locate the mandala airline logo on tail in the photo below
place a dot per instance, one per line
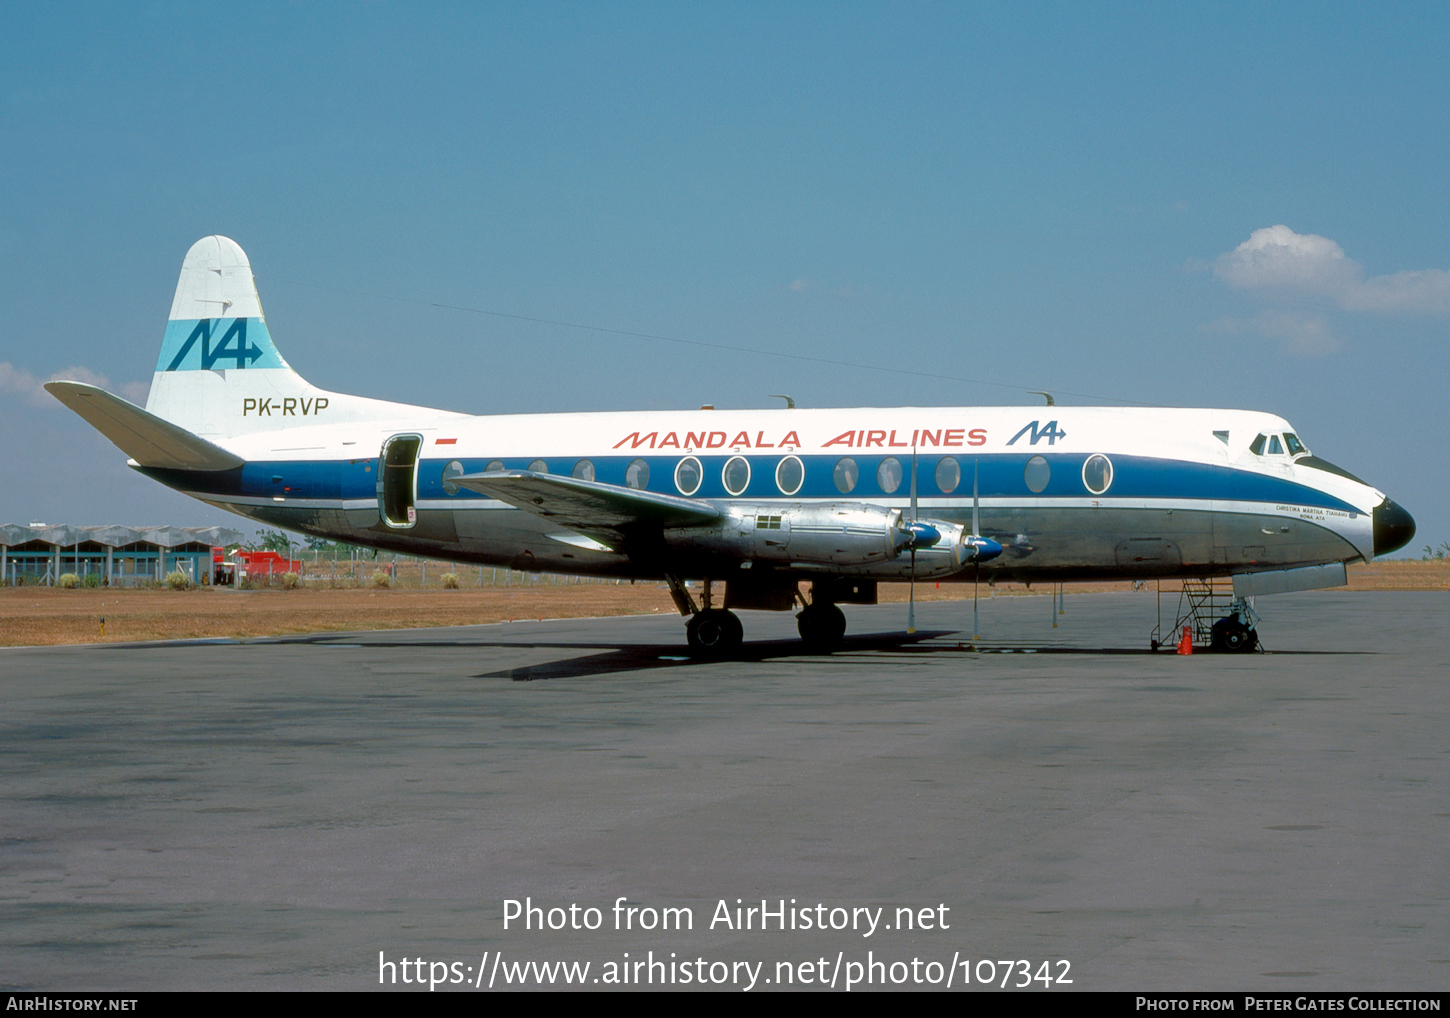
(209, 344)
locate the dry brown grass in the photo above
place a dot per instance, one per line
(31, 616)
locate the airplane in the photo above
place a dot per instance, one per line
(760, 500)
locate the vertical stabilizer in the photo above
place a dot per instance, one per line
(220, 375)
(216, 317)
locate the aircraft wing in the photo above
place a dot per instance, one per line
(146, 438)
(603, 511)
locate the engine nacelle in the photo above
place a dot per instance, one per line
(833, 535)
(849, 538)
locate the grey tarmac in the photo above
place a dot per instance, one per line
(274, 813)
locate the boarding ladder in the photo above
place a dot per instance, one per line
(1201, 603)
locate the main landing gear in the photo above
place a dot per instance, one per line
(717, 633)
(822, 626)
(711, 632)
(714, 632)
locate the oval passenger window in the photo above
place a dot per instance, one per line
(736, 475)
(1097, 474)
(948, 475)
(1036, 474)
(452, 470)
(888, 475)
(688, 475)
(790, 474)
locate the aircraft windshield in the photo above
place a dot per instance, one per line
(1292, 441)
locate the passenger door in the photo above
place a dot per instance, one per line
(398, 481)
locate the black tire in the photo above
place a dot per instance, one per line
(822, 627)
(714, 633)
(1231, 636)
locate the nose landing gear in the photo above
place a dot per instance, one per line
(1232, 635)
(1219, 619)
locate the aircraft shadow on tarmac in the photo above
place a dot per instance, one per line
(872, 650)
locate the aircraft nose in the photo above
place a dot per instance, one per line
(1393, 528)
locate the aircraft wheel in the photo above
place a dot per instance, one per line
(822, 626)
(1232, 636)
(714, 633)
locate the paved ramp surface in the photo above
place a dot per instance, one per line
(274, 814)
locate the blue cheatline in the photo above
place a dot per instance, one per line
(1000, 477)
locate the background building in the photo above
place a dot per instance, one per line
(39, 553)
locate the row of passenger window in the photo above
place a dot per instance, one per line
(790, 474)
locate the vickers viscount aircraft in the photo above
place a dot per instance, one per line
(759, 499)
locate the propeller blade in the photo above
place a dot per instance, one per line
(976, 627)
(911, 600)
(914, 516)
(977, 556)
(976, 515)
(916, 537)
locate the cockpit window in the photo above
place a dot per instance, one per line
(1292, 441)
(1257, 445)
(1275, 449)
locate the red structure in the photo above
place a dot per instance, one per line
(257, 563)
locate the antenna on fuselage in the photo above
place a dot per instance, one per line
(1045, 395)
(789, 403)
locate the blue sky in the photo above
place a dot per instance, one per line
(1076, 198)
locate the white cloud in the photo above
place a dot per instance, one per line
(1426, 291)
(19, 382)
(1277, 259)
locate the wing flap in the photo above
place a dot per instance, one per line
(605, 511)
(146, 438)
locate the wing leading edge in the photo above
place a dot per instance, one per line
(606, 512)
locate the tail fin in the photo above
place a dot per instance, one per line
(219, 374)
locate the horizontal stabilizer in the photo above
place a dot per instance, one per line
(606, 511)
(146, 438)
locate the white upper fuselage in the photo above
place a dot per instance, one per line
(1152, 452)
